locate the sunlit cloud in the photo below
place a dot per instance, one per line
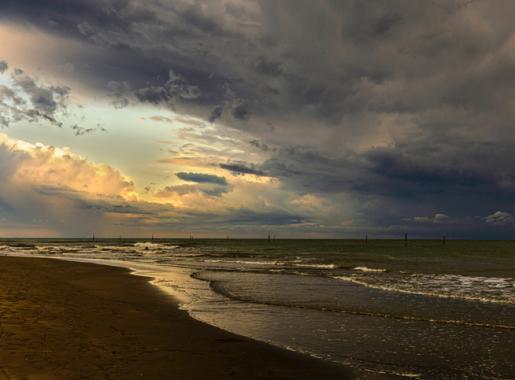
(39, 165)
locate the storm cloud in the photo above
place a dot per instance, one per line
(241, 168)
(400, 110)
(202, 178)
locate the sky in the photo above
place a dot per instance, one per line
(243, 118)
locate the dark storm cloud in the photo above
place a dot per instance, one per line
(159, 37)
(215, 114)
(241, 168)
(176, 88)
(393, 102)
(153, 94)
(394, 188)
(334, 57)
(404, 171)
(241, 111)
(385, 24)
(266, 67)
(208, 184)
(202, 178)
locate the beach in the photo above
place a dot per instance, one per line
(68, 320)
(181, 307)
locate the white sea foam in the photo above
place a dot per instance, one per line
(367, 269)
(409, 375)
(145, 247)
(317, 266)
(272, 263)
(244, 262)
(472, 288)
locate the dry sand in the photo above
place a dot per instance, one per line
(66, 320)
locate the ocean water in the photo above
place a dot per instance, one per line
(428, 310)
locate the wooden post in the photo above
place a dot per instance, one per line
(444, 239)
(405, 239)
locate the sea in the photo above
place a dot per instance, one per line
(425, 309)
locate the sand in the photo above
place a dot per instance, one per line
(67, 320)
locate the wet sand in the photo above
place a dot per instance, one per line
(67, 320)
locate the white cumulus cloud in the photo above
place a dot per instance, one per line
(499, 218)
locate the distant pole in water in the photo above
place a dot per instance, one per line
(93, 237)
(444, 239)
(269, 238)
(366, 238)
(405, 239)
(152, 238)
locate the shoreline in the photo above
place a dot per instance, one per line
(69, 319)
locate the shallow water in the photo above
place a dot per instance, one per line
(427, 310)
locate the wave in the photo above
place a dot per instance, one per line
(218, 288)
(294, 263)
(244, 262)
(148, 246)
(367, 269)
(442, 287)
(317, 266)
